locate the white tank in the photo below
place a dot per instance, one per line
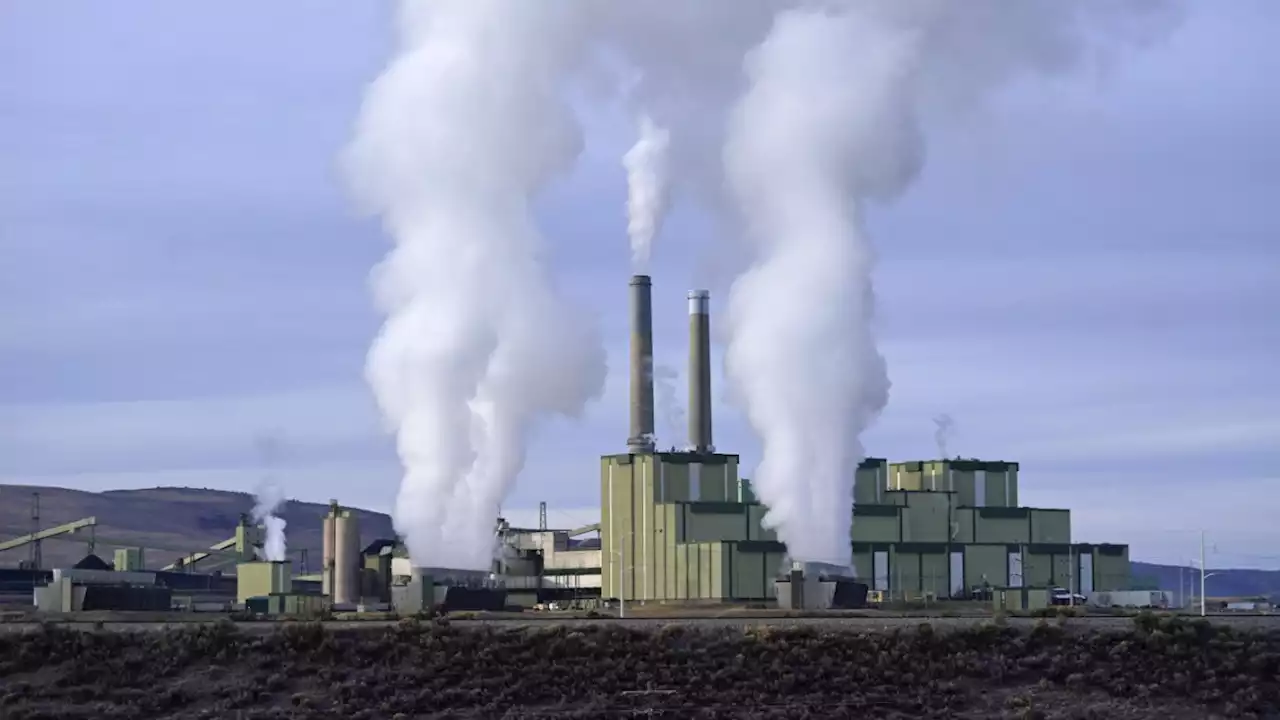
(346, 566)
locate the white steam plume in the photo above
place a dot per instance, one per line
(944, 428)
(268, 500)
(648, 194)
(829, 122)
(667, 398)
(453, 144)
(467, 125)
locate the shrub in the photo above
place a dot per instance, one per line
(425, 668)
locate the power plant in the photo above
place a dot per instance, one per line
(676, 527)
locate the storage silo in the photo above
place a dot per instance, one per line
(346, 573)
(327, 560)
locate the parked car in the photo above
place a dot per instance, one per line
(1062, 596)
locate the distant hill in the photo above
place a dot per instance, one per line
(1222, 583)
(168, 522)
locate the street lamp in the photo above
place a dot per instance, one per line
(1203, 576)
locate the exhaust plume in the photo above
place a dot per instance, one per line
(831, 121)
(453, 144)
(669, 407)
(647, 191)
(944, 428)
(268, 500)
(467, 125)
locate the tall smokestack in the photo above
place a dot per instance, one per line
(641, 440)
(700, 371)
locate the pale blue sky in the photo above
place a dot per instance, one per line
(1087, 277)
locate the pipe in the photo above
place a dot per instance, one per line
(642, 439)
(700, 372)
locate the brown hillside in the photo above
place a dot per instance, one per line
(169, 522)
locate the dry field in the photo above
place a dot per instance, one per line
(1146, 667)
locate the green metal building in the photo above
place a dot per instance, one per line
(683, 527)
(942, 528)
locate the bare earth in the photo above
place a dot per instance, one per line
(702, 668)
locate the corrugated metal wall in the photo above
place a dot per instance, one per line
(683, 535)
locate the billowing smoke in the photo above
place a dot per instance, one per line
(268, 501)
(667, 399)
(453, 144)
(830, 121)
(469, 122)
(944, 428)
(647, 190)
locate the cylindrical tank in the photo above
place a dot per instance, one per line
(641, 440)
(700, 371)
(346, 571)
(327, 561)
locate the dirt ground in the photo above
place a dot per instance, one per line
(708, 668)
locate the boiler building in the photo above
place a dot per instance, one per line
(684, 527)
(942, 528)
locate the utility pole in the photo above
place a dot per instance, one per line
(1071, 576)
(37, 559)
(1203, 576)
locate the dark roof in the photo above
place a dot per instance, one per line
(92, 562)
(376, 546)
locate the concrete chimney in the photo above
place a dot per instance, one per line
(641, 440)
(700, 371)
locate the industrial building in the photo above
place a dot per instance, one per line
(677, 526)
(684, 527)
(125, 584)
(944, 528)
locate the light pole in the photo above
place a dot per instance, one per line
(1204, 575)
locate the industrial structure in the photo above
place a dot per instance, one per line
(341, 572)
(679, 526)
(125, 584)
(684, 527)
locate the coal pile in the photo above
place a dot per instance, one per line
(1157, 669)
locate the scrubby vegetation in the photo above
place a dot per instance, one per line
(1164, 668)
